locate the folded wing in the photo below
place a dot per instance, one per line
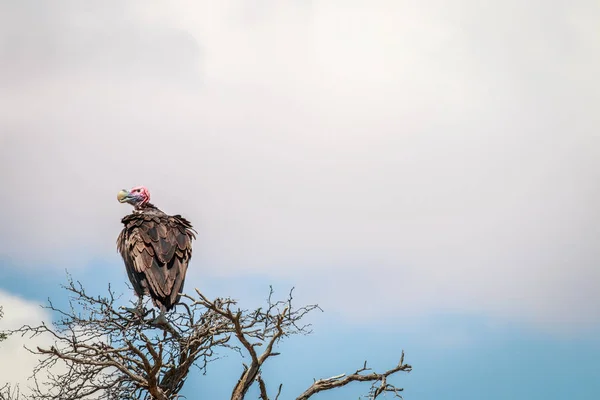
(156, 250)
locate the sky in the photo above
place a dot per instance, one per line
(427, 172)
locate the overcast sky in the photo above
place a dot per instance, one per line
(422, 157)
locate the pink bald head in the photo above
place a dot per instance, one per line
(137, 196)
(143, 193)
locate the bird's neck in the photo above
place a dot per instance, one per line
(144, 207)
(149, 209)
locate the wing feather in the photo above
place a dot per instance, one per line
(156, 250)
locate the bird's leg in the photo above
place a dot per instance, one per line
(162, 323)
(138, 306)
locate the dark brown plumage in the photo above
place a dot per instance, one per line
(156, 249)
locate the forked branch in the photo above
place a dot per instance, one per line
(380, 384)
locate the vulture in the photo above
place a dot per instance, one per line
(156, 249)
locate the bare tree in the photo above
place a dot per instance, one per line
(7, 391)
(109, 352)
(2, 334)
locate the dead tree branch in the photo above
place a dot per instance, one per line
(2, 334)
(261, 328)
(8, 392)
(107, 352)
(379, 386)
(111, 353)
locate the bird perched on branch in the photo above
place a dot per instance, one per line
(156, 249)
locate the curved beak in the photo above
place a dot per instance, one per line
(123, 196)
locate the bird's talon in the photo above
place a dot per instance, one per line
(160, 320)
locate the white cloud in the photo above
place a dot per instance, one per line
(19, 312)
(422, 157)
